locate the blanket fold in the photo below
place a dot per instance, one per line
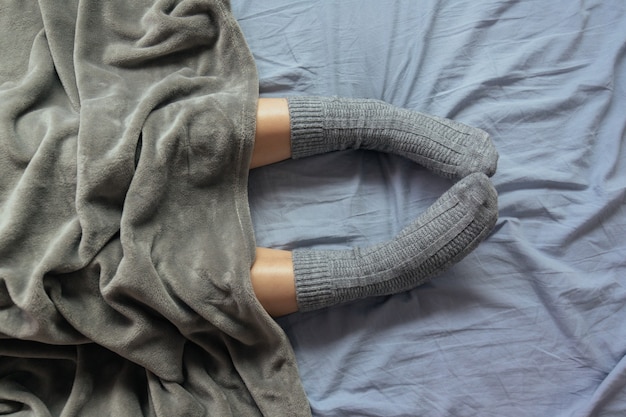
(126, 131)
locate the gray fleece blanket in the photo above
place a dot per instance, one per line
(126, 129)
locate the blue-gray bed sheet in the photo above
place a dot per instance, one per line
(533, 323)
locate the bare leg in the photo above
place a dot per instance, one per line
(272, 142)
(272, 272)
(273, 281)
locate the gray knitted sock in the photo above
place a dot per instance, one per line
(452, 227)
(446, 147)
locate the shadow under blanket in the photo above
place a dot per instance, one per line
(126, 130)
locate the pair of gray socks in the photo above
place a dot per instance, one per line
(451, 228)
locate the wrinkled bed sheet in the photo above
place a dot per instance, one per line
(533, 323)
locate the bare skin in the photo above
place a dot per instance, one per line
(272, 141)
(273, 281)
(272, 273)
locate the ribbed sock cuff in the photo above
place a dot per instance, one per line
(312, 278)
(307, 126)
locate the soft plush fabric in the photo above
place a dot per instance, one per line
(126, 243)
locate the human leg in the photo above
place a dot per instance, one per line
(272, 272)
(286, 282)
(272, 141)
(273, 281)
(448, 148)
(302, 126)
(449, 230)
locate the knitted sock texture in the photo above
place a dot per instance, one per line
(445, 233)
(448, 148)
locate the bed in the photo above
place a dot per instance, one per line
(128, 308)
(532, 323)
